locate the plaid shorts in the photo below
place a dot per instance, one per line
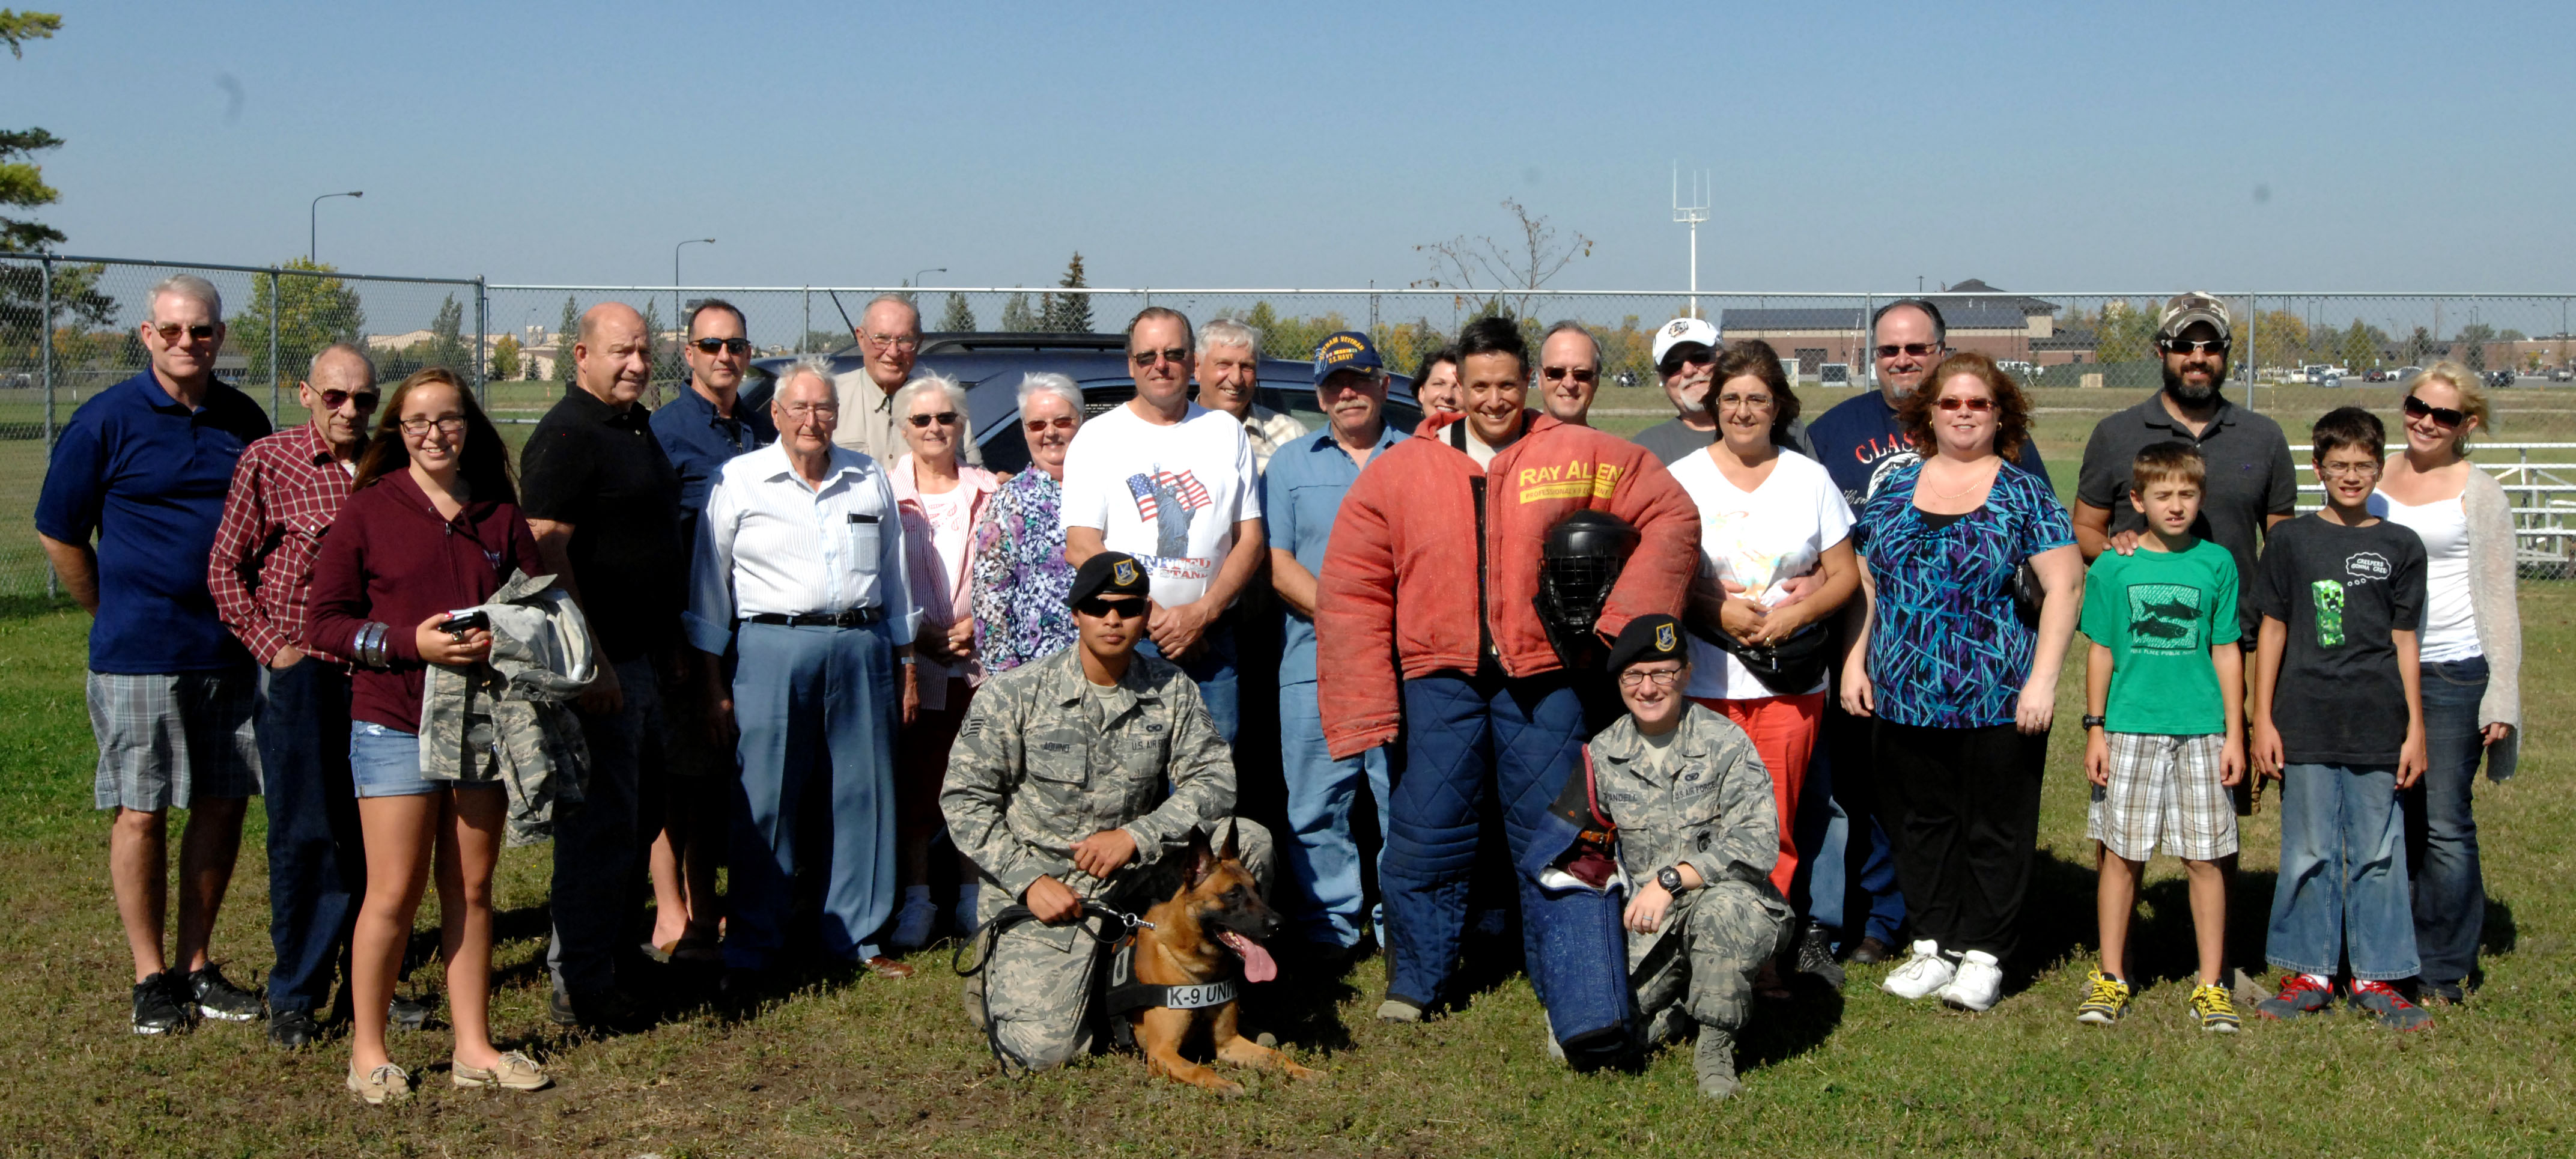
(167, 739)
(2164, 788)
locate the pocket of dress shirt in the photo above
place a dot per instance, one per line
(864, 530)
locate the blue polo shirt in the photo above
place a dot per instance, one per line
(147, 476)
(699, 442)
(1301, 495)
(1860, 434)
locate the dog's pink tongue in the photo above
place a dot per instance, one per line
(1257, 966)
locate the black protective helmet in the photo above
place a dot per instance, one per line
(1579, 563)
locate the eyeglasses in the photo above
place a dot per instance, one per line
(805, 410)
(897, 341)
(723, 345)
(1040, 426)
(2440, 414)
(170, 332)
(1917, 349)
(1673, 365)
(1555, 373)
(2348, 470)
(1103, 607)
(1639, 677)
(1744, 402)
(1176, 355)
(335, 399)
(451, 425)
(2191, 345)
(1954, 402)
(946, 418)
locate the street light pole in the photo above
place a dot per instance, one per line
(313, 222)
(675, 281)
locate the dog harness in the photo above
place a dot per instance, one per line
(1126, 993)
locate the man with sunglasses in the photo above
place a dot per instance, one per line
(1076, 778)
(287, 491)
(700, 430)
(1569, 372)
(143, 467)
(1173, 484)
(889, 337)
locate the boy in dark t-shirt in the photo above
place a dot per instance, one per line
(2339, 719)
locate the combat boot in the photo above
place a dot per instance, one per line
(1715, 1062)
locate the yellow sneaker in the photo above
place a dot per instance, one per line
(2216, 1011)
(2106, 999)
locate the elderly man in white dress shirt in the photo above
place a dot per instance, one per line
(798, 577)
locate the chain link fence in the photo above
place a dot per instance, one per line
(68, 327)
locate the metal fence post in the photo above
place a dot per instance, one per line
(809, 320)
(482, 392)
(45, 367)
(276, 308)
(2253, 351)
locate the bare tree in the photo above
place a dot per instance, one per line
(1516, 266)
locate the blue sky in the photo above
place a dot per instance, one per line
(2058, 147)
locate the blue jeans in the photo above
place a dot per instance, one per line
(1213, 671)
(1467, 738)
(2441, 831)
(2342, 892)
(600, 848)
(1324, 859)
(317, 868)
(813, 702)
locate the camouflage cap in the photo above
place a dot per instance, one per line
(2186, 308)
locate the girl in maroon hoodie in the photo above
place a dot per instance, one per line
(433, 525)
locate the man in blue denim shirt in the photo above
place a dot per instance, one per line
(1301, 495)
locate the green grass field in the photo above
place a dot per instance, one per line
(866, 1066)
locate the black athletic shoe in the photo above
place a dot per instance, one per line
(407, 1013)
(293, 1029)
(216, 997)
(1816, 955)
(158, 1008)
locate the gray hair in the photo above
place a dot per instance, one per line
(814, 364)
(1228, 332)
(342, 350)
(955, 396)
(1570, 326)
(1049, 382)
(189, 286)
(897, 299)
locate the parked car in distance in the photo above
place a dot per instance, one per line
(989, 366)
(2375, 376)
(2563, 374)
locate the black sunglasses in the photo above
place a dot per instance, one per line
(2191, 345)
(946, 418)
(1148, 357)
(170, 331)
(2440, 414)
(335, 399)
(1673, 365)
(1917, 349)
(727, 345)
(1126, 607)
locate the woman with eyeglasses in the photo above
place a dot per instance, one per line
(1959, 673)
(433, 525)
(2471, 654)
(1020, 573)
(940, 500)
(1767, 516)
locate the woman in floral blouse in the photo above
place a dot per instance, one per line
(1021, 578)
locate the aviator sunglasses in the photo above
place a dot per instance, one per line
(724, 345)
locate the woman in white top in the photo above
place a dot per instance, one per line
(1776, 563)
(2471, 652)
(939, 500)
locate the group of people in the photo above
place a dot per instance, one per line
(1738, 700)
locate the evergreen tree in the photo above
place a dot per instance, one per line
(447, 340)
(22, 181)
(564, 332)
(1017, 318)
(959, 317)
(1068, 313)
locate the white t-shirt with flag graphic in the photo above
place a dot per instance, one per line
(1168, 495)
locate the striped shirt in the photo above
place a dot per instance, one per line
(286, 492)
(771, 543)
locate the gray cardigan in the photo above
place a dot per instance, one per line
(2492, 601)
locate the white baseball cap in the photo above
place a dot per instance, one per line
(1681, 330)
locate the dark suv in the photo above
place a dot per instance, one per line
(989, 366)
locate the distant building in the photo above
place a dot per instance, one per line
(1979, 317)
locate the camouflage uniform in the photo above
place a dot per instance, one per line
(1704, 801)
(1044, 759)
(511, 718)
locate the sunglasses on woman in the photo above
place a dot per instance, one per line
(946, 418)
(2444, 415)
(1954, 402)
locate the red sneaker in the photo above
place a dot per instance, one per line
(2300, 995)
(2394, 1011)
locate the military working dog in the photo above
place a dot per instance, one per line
(1216, 913)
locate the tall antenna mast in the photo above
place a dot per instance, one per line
(1692, 215)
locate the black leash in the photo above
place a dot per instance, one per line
(990, 935)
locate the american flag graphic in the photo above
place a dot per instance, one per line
(1186, 485)
(1142, 487)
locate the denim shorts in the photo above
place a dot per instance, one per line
(385, 762)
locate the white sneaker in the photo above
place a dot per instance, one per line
(1921, 974)
(1977, 983)
(912, 924)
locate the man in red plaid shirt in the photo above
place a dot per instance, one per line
(286, 492)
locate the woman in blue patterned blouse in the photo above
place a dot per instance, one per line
(1962, 684)
(1021, 578)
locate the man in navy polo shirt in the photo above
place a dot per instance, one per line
(143, 467)
(1301, 495)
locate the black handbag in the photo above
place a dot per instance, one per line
(1791, 667)
(2028, 594)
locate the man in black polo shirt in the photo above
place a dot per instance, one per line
(604, 502)
(2252, 483)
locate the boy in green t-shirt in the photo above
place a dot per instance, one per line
(2165, 725)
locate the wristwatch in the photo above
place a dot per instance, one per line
(2092, 722)
(1669, 878)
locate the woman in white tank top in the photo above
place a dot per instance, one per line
(2471, 650)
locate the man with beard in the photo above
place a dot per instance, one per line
(2252, 483)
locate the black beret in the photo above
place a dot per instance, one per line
(1649, 637)
(1113, 573)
